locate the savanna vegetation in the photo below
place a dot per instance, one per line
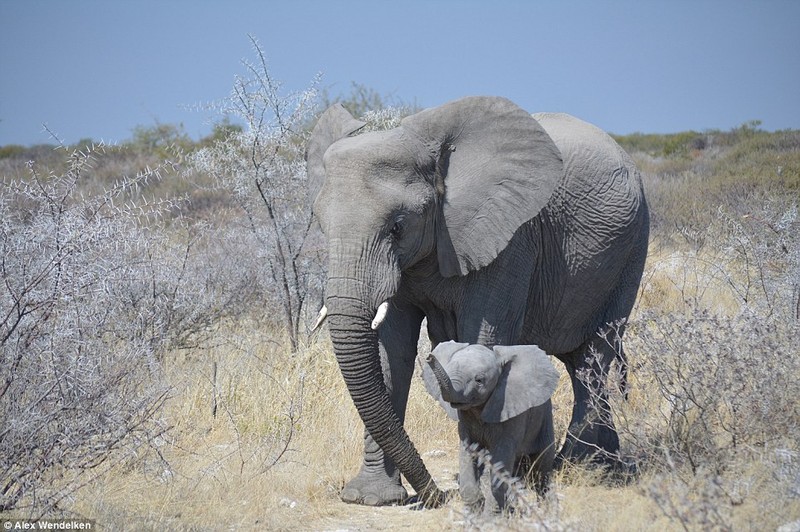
(157, 368)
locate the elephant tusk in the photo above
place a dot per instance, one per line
(323, 313)
(380, 315)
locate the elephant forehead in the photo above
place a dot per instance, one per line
(390, 156)
(476, 356)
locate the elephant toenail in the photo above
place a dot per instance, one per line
(371, 500)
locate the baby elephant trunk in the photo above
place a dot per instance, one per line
(441, 376)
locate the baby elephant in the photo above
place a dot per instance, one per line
(501, 399)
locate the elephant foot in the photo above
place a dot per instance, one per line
(472, 498)
(374, 490)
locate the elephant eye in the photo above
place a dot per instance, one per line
(479, 379)
(397, 229)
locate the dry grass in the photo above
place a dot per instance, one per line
(283, 442)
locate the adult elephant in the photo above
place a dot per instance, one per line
(498, 226)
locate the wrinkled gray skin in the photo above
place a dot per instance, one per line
(501, 399)
(501, 228)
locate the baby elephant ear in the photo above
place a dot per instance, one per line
(443, 353)
(528, 380)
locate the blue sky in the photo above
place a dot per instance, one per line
(90, 68)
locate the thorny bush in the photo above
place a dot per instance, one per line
(262, 167)
(93, 293)
(714, 387)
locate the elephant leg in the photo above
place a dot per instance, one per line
(502, 460)
(469, 479)
(378, 481)
(470, 470)
(537, 466)
(591, 433)
(534, 470)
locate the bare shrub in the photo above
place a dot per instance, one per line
(384, 118)
(98, 283)
(262, 167)
(726, 385)
(79, 375)
(694, 505)
(714, 386)
(762, 247)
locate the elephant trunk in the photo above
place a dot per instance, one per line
(445, 384)
(355, 343)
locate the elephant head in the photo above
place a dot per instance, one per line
(451, 184)
(502, 382)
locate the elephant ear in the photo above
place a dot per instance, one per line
(497, 168)
(334, 124)
(443, 353)
(528, 380)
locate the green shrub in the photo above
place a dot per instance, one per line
(11, 150)
(161, 140)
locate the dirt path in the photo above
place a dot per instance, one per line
(341, 517)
